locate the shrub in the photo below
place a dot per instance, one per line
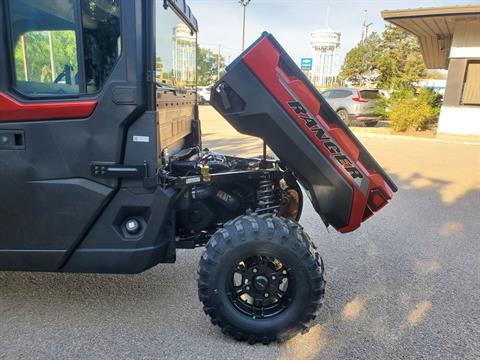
(413, 111)
(410, 114)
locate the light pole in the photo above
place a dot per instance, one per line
(244, 3)
(365, 27)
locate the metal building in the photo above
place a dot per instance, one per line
(325, 43)
(450, 39)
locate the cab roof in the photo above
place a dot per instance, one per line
(181, 7)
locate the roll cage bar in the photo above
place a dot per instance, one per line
(184, 11)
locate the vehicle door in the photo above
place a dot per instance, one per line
(68, 89)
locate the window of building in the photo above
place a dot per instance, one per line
(45, 45)
(471, 87)
(176, 50)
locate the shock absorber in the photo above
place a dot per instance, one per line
(266, 199)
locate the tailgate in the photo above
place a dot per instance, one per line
(265, 94)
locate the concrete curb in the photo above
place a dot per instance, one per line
(404, 137)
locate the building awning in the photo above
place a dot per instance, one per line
(434, 28)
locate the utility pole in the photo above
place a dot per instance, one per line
(52, 58)
(24, 53)
(218, 61)
(365, 27)
(244, 3)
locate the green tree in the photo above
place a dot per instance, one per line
(359, 65)
(392, 60)
(207, 65)
(399, 61)
(38, 59)
(64, 49)
(159, 69)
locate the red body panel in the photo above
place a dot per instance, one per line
(13, 110)
(264, 60)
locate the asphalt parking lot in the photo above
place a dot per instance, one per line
(404, 286)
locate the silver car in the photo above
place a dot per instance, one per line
(204, 94)
(354, 105)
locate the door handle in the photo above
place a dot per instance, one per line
(12, 140)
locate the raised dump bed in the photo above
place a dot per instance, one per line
(265, 94)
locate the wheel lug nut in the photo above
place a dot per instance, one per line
(266, 295)
(255, 270)
(274, 277)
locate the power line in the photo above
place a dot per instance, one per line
(202, 43)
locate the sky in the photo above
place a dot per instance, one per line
(291, 21)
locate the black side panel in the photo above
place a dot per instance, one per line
(109, 249)
(248, 106)
(47, 229)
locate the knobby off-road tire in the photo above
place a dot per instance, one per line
(261, 238)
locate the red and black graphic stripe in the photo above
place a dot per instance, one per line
(12, 110)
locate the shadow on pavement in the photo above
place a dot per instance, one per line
(406, 283)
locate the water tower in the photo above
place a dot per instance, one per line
(183, 54)
(325, 43)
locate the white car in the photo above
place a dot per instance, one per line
(204, 94)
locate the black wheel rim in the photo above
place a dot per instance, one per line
(261, 287)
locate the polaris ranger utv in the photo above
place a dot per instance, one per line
(102, 167)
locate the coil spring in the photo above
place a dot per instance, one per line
(266, 200)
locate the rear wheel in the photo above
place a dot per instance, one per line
(292, 203)
(343, 114)
(261, 279)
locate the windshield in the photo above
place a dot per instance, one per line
(176, 49)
